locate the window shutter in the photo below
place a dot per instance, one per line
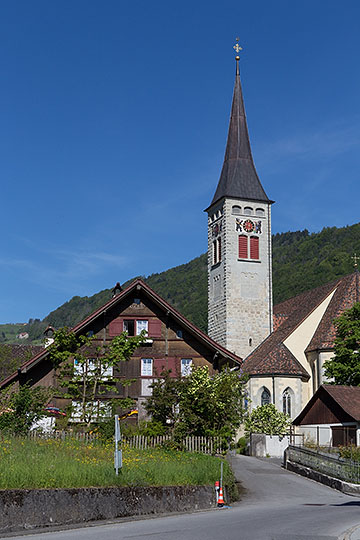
(174, 365)
(115, 327)
(154, 328)
(165, 364)
(254, 247)
(243, 247)
(160, 365)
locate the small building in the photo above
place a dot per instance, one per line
(332, 416)
(173, 343)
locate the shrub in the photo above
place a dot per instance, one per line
(267, 419)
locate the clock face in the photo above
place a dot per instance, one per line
(248, 225)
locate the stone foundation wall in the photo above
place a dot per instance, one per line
(22, 509)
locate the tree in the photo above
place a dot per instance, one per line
(21, 407)
(267, 419)
(162, 404)
(344, 367)
(85, 369)
(199, 404)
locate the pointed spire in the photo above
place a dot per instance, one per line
(238, 177)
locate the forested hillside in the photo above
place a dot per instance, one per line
(301, 261)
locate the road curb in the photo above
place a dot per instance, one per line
(349, 534)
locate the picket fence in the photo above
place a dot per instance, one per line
(204, 445)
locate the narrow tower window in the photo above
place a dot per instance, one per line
(254, 247)
(214, 252)
(219, 250)
(243, 247)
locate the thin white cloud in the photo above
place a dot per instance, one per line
(62, 268)
(328, 142)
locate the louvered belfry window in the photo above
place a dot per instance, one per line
(243, 247)
(254, 247)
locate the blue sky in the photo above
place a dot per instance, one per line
(113, 126)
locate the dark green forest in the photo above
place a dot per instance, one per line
(301, 261)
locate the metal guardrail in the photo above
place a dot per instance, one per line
(323, 462)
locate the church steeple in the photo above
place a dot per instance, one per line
(238, 177)
(239, 244)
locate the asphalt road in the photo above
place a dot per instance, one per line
(277, 505)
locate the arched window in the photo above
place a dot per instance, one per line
(260, 212)
(236, 210)
(265, 397)
(248, 211)
(286, 398)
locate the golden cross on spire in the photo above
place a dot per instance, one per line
(237, 47)
(355, 258)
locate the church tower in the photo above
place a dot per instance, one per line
(239, 244)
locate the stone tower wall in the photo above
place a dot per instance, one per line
(240, 291)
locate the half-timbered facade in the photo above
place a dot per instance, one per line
(172, 343)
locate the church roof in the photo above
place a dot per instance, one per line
(238, 177)
(278, 360)
(345, 296)
(272, 356)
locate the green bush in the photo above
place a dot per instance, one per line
(267, 419)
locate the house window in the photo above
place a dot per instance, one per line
(129, 327)
(236, 210)
(265, 397)
(137, 301)
(90, 367)
(146, 389)
(146, 367)
(92, 410)
(243, 247)
(248, 211)
(179, 334)
(186, 364)
(286, 402)
(142, 325)
(260, 212)
(254, 247)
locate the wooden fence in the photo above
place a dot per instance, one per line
(204, 445)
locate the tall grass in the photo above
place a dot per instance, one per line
(54, 463)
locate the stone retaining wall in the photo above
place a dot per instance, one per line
(22, 509)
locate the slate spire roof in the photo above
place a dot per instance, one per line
(238, 177)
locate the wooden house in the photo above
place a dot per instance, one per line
(332, 416)
(173, 343)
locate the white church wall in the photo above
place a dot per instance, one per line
(323, 357)
(277, 386)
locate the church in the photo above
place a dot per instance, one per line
(283, 348)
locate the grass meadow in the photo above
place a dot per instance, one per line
(52, 463)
